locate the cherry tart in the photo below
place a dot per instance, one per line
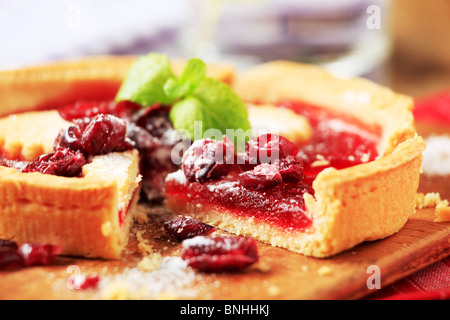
(353, 179)
(337, 162)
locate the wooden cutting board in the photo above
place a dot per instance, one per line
(279, 274)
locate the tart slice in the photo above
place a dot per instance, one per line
(88, 215)
(354, 180)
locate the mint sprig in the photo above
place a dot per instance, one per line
(193, 96)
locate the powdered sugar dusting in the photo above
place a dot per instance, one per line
(198, 241)
(436, 157)
(177, 176)
(172, 279)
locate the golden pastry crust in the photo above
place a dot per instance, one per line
(365, 202)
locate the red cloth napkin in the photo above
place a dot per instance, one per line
(432, 282)
(435, 108)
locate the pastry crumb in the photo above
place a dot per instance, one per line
(320, 163)
(304, 268)
(119, 290)
(324, 271)
(427, 200)
(166, 296)
(442, 213)
(433, 199)
(106, 229)
(145, 248)
(263, 267)
(141, 216)
(273, 290)
(150, 263)
(143, 245)
(116, 291)
(365, 157)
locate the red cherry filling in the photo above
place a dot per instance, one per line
(282, 206)
(182, 227)
(90, 109)
(61, 162)
(215, 254)
(208, 159)
(339, 140)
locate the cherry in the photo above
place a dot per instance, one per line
(154, 137)
(83, 282)
(10, 259)
(61, 162)
(70, 139)
(208, 159)
(215, 254)
(154, 119)
(35, 254)
(291, 169)
(182, 227)
(8, 244)
(142, 139)
(269, 147)
(29, 254)
(105, 133)
(262, 177)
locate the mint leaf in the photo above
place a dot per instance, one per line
(193, 73)
(184, 115)
(194, 98)
(145, 81)
(217, 107)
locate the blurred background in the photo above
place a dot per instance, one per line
(392, 42)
